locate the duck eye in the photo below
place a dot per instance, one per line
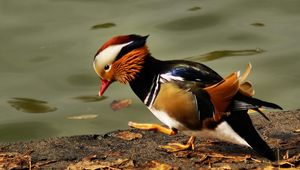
(106, 67)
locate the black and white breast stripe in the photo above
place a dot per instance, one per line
(153, 91)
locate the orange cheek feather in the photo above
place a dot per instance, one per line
(126, 68)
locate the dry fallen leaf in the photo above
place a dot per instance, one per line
(127, 135)
(13, 160)
(97, 164)
(224, 167)
(155, 165)
(182, 154)
(217, 157)
(273, 168)
(297, 131)
(293, 162)
(81, 117)
(120, 104)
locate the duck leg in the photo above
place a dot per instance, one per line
(175, 147)
(154, 127)
(171, 147)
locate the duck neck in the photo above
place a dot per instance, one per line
(142, 83)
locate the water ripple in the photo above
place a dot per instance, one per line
(90, 98)
(224, 53)
(30, 105)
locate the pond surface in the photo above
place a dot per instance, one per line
(48, 86)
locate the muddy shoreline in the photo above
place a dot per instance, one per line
(136, 149)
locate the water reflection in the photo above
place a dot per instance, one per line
(258, 24)
(103, 26)
(224, 53)
(90, 98)
(191, 23)
(30, 105)
(196, 8)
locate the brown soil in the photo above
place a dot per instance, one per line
(136, 149)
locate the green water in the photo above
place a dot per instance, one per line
(47, 48)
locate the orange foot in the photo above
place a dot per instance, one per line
(154, 127)
(175, 147)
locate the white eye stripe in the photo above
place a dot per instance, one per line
(109, 54)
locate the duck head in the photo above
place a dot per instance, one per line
(120, 59)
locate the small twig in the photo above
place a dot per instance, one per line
(286, 155)
(29, 163)
(278, 152)
(203, 158)
(255, 160)
(39, 164)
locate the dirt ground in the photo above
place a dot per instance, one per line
(136, 149)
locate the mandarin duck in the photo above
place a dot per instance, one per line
(184, 95)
